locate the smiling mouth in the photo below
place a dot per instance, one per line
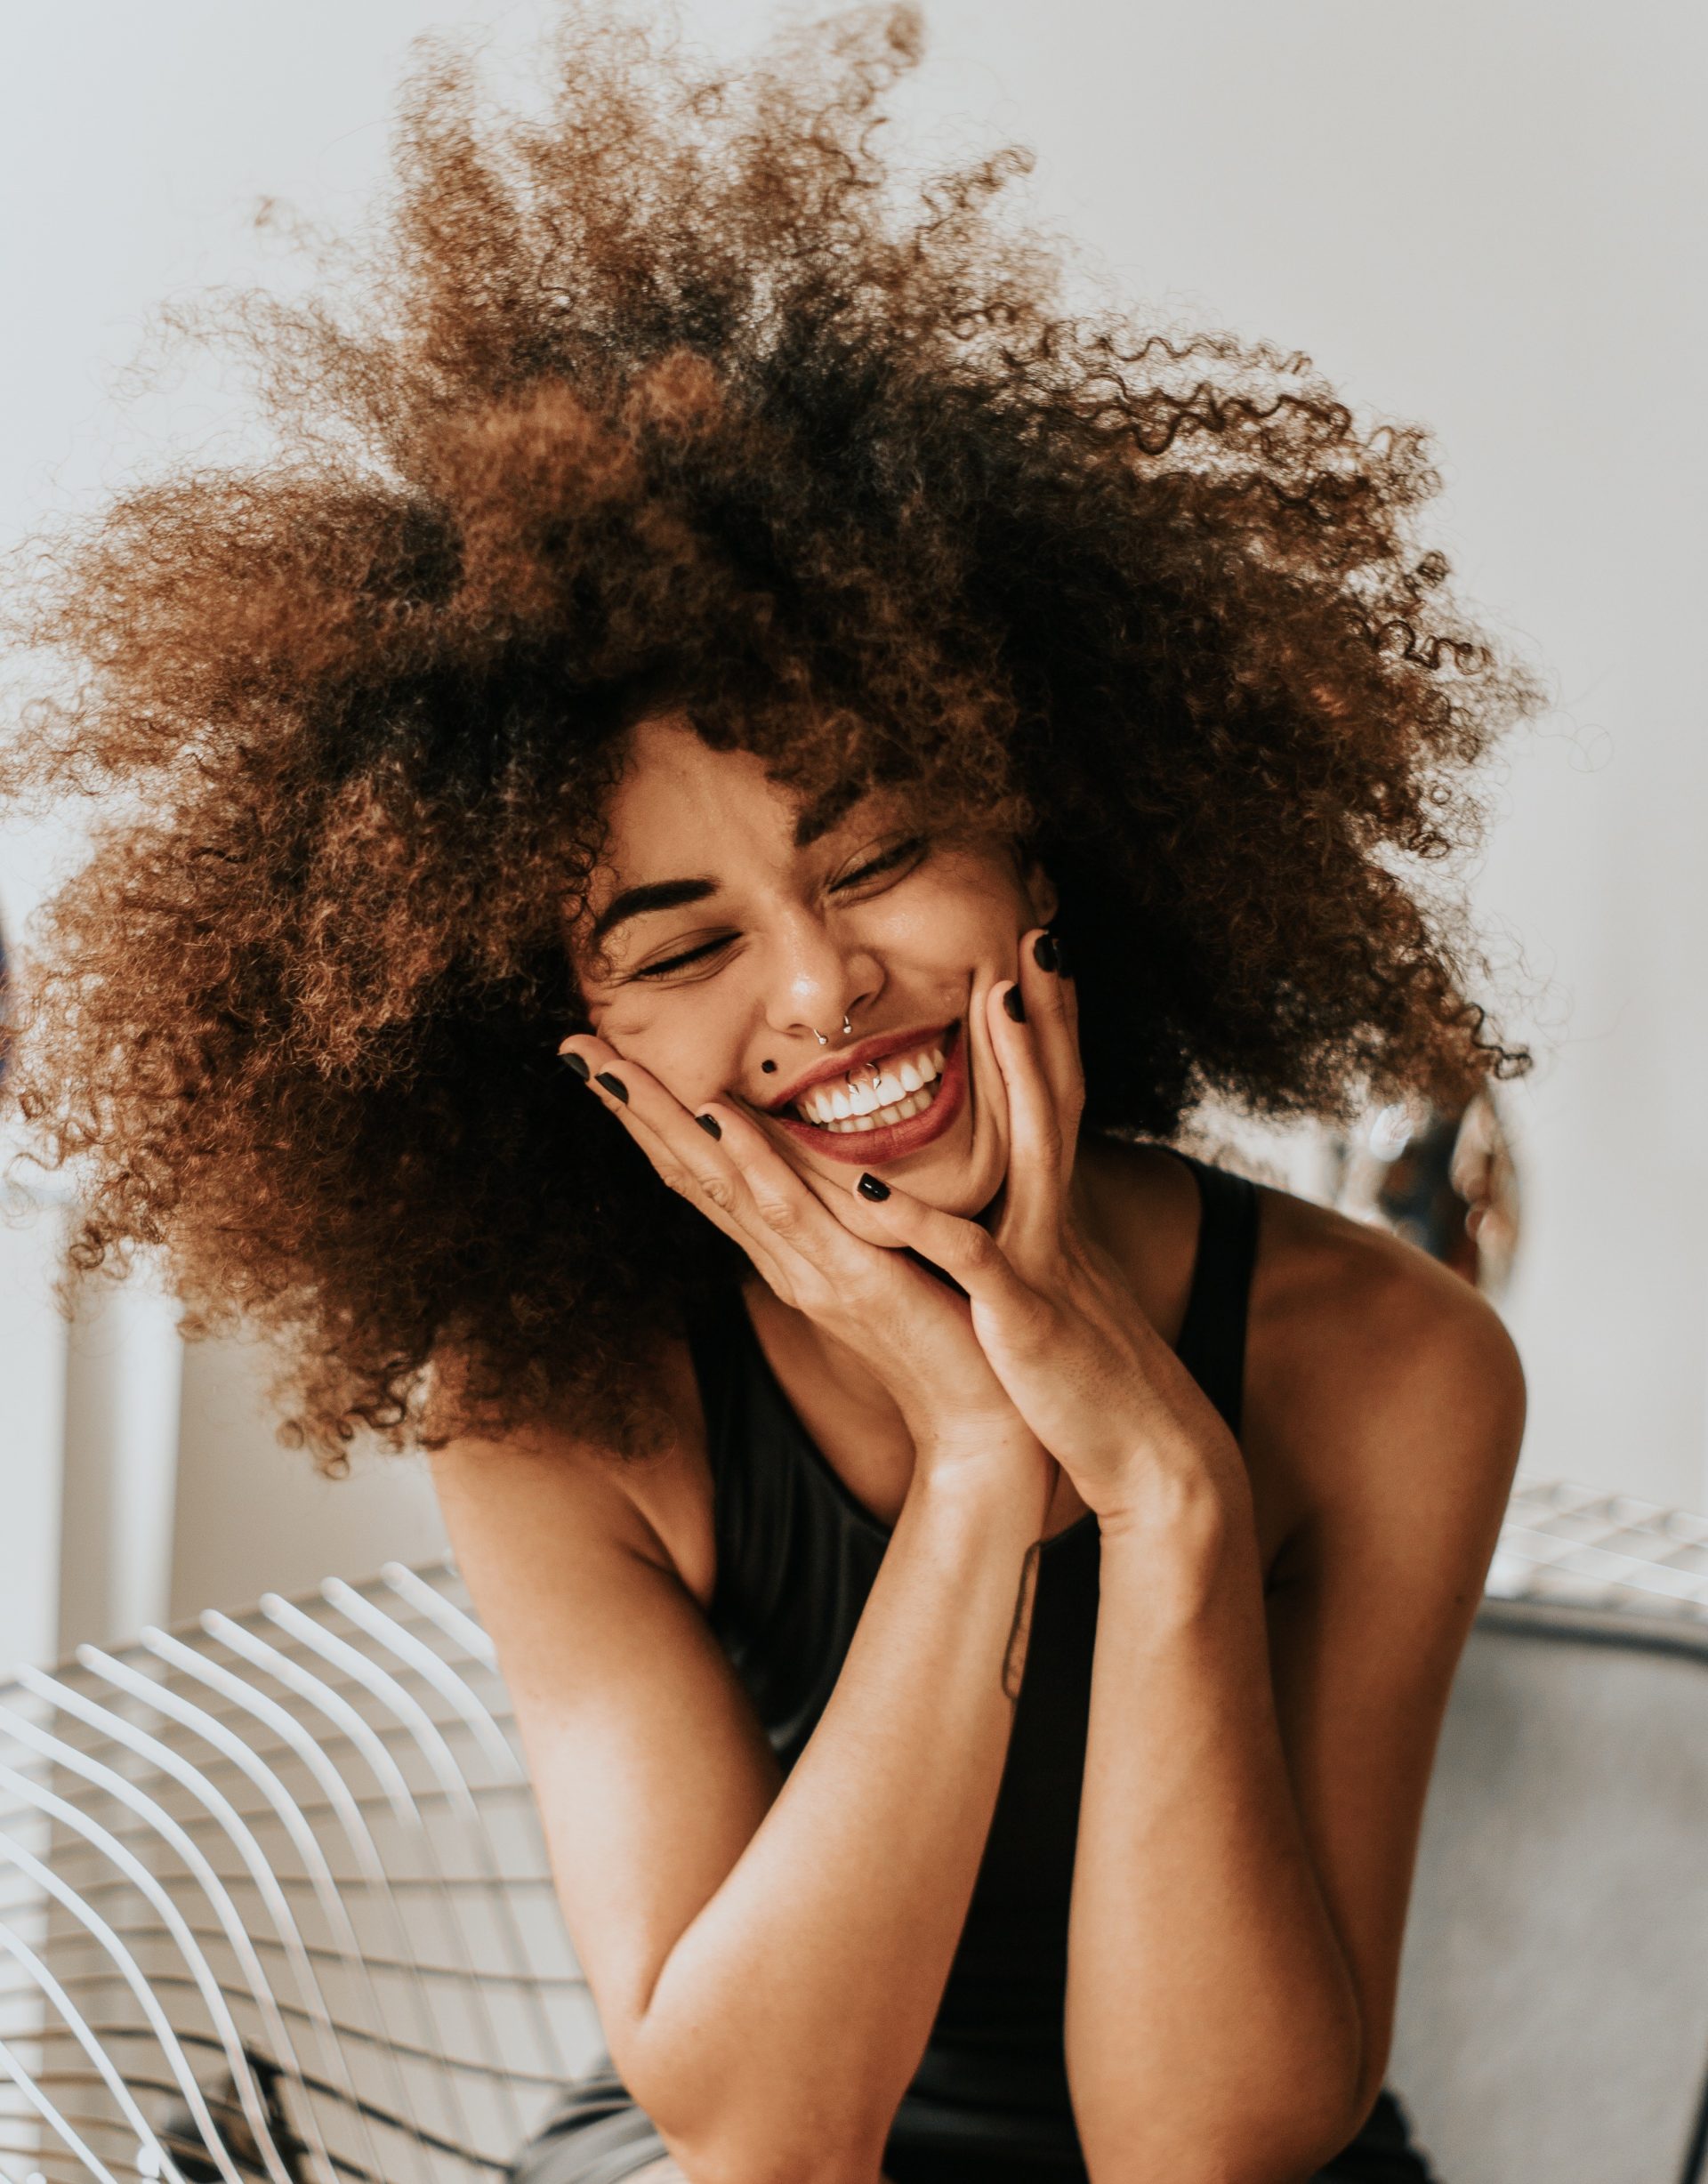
(878, 1097)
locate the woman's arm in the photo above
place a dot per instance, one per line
(1253, 1789)
(766, 1954)
(779, 2028)
(1252, 1795)
(789, 2017)
(1213, 2028)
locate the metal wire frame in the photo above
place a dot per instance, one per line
(1576, 1546)
(275, 1902)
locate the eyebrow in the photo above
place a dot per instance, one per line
(654, 895)
(676, 894)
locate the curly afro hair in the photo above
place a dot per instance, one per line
(675, 388)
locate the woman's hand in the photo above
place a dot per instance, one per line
(911, 1331)
(1052, 1312)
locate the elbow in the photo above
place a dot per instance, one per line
(1314, 2119)
(1278, 2134)
(822, 2164)
(720, 2125)
(1292, 2144)
(1292, 2153)
(758, 2150)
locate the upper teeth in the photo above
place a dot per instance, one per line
(847, 1101)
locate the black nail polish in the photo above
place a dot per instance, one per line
(1015, 1005)
(709, 1124)
(1064, 969)
(1046, 954)
(869, 1187)
(615, 1086)
(577, 1062)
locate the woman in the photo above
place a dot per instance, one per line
(704, 824)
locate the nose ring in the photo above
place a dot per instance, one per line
(847, 1031)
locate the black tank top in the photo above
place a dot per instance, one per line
(796, 1557)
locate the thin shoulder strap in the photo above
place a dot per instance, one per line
(1212, 1334)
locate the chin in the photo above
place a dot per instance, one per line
(964, 1190)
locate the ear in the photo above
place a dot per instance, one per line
(1038, 889)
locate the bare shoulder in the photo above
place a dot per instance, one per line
(658, 1506)
(1384, 1396)
(650, 1769)
(672, 1491)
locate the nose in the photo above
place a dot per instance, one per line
(814, 983)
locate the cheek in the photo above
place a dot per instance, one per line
(965, 920)
(687, 1047)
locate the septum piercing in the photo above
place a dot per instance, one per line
(847, 1031)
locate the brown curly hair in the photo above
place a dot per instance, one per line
(674, 390)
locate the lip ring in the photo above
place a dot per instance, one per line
(874, 1149)
(878, 1047)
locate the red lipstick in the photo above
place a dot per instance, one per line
(872, 1148)
(879, 1047)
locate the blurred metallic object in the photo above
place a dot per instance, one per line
(1443, 1179)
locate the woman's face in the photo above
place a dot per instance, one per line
(713, 948)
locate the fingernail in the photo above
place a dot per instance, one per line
(869, 1187)
(709, 1124)
(1014, 1004)
(1046, 954)
(615, 1086)
(578, 1064)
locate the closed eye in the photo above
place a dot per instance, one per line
(890, 858)
(675, 963)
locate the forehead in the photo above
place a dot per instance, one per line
(682, 807)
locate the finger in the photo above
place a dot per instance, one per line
(1032, 1194)
(969, 1254)
(1052, 1011)
(736, 1176)
(846, 1206)
(626, 1090)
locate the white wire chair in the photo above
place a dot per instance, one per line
(275, 1902)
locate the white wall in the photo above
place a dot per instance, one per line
(32, 1426)
(251, 1514)
(1482, 216)
(1485, 215)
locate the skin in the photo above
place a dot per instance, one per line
(1299, 1598)
(922, 942)
(801, 938)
